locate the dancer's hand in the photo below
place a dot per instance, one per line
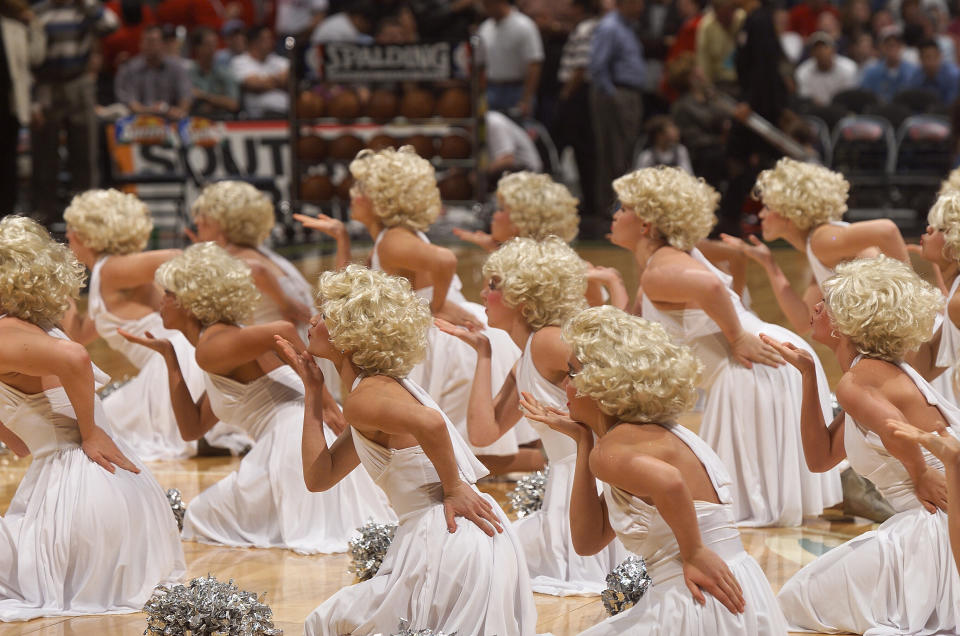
(102, 450)
(706, 571)
(799, 358)
(473, 337)
(457, 315)
(931, 490)
(747, 349)
(478, 238)
(941, 443)
(756, 250)
(556, 419)
(463, 501)
(160, 345)
(324, 224)
(303, 363)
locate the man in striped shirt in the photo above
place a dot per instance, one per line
(65, 97)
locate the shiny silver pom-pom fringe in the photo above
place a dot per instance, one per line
(406, 631)
(368, 548)
(110, 388)
(208, 607)
(177, 506)
(626, 584)
(527, 497)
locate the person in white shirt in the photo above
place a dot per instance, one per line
(355, 24)
(824, 73)
(665, 147)
(299, 17)
(514, 56)
(263, 75)
(510, 147)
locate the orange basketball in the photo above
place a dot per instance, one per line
(417, 104)
(455, 146)
(316, 188)
(345, 147)
(382, 105)
(455, 187)
(343, 188)
(309, 105)
(381, 141)
(454, 103)
(311, 148)
(344, 104)
(422, 144)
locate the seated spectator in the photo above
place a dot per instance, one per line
(703, 124)
(263, 76)
(665, 147)
(173, 45)
(804, 16)
(215, 90)
(355, 24)
(716, 42)
(509, 147)
(209, 13)
(298, 18)
(790, 41)
(890, 74)
(935, 74)
(862, 52)
(154, 82)
(824, 73)
(234, 35)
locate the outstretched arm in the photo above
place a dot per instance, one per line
(333, 228)
(845, 243)
(405, 251)
(291, 308)
(124, 271)
(223, 348)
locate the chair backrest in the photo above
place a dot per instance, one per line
(864, 144)
(855, 100)
(830, 113)
(822, 141)
(892, 112)
(545, 146)
(923, 145)
(918, 100)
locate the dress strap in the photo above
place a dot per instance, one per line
(717, 472)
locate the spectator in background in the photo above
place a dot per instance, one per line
(209, 13)
(616, 100)
(234, 35)
(862, 52)
(444, 18)
(215, 90)
(22, 42)
(935, 74)
(509, 147)
(263, 76)
(124, 43)
(154, 82)
(824, 73)
(791, 42)
(804, 16)
(173, 44)
(574, 106)
(703, 124)
(716, 42)
(891, 74)
(65, 98)
(855, 19)
(513, 52)
(665, 148)
(354, 24)
(298, 18)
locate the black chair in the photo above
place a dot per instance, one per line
(545, 146)
(831, 113)
(924, 158)
(864, 145)
(855, 100)
(892, 112)
(918, 100)
(821, 133)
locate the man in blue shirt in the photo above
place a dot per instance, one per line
(934, 74)
(617, 75)
(889, 75)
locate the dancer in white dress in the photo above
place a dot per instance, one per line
(438, 573)
(532, 287)
(665, 212)
(666, 495)
(80, 536)
(265, 503)
(396, 198)
(900, 578)
(108, 231)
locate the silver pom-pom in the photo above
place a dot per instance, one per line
(177, 506)
(208, 607)
(110, 388)
(626, 584)
(406, 631)
(835, 405)
(527, 497)
(369, 547)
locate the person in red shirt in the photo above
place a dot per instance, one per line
(208, 13)
(804, 16)
(124, 43)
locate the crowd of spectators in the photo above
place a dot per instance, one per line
(617, 81)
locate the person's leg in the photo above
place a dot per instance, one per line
(629, 105)
(45, 155)
(526, 460)
(581, 139)
(606, 131)
(82, 134)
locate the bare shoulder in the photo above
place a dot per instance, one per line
(631, 440)
(370, 395)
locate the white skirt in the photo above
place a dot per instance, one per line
(898, 579)
(265, 503)
(78, 540)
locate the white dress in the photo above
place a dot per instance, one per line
(77, 539)
(668, 608)
(141, 410)
(751, 417)
(898, 579)
(555, 567)
(449, 367)
(948, 355)
(265, 503)
(465, 582)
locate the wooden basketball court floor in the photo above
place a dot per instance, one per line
(295, 584)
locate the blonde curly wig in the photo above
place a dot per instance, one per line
(401, 184)
(376, 317)
(679, 206)
(952, 182)
(539, 206)
(109, 221)
(38, 276)
(944, 216)
(631, 367)
(806, 194)
(545, 279)
(210, 284)
(882, 305)
(243, 213)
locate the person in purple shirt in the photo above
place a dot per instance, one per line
(617, 73)
(890, 74)
(935, 74)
